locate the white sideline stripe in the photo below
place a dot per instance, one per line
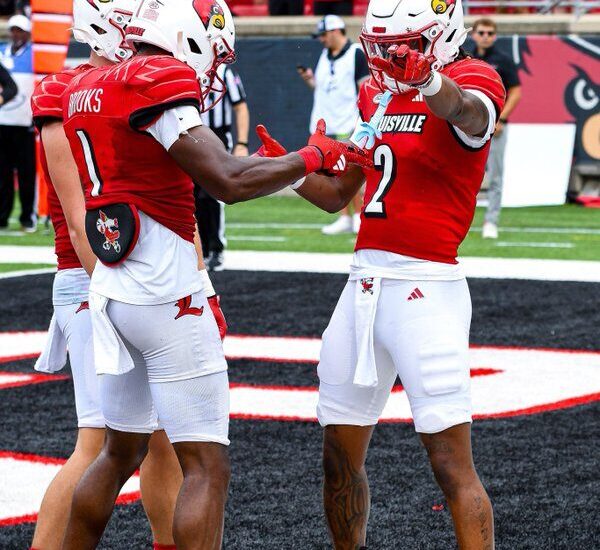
(25, 273)
(534, 245)
(309, 262)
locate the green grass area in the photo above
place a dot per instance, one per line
(6, 268)
(561, 232)
(291, 224)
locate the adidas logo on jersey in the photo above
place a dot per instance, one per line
(418, 98)
(416, 294)
(407, 124)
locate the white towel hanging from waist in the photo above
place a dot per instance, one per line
(110, 354)
(365, 307)
(54, 356)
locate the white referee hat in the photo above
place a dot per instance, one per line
(329, 23)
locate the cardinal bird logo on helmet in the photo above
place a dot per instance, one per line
(441, 6)
(210, 13)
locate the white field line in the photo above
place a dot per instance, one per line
(256, 238)
(275, 225)
(549, 230)
(494, 268)
(534, 245)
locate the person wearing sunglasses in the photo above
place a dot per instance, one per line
(484, 36)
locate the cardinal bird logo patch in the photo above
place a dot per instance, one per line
(367, 285)
(210, 13)
(109, 227)
(184, 305)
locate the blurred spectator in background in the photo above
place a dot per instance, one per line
(340, 71)
(210, 212)
(484, 35)
(286, 7)
(335, 7)
(17, 137)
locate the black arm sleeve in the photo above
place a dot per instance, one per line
(9, 88)
(361, 68)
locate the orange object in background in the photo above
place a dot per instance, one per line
(48, 28)
(48, 58)
(52, 6)
(50, 35)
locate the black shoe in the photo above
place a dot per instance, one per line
(215, 262)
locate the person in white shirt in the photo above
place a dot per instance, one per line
(340, 71)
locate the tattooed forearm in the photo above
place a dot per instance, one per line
(346, 498)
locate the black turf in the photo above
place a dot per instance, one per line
(541, 471)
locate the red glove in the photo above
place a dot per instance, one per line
(334, 155)
(407, 66)
(215, 307)
(270, 146)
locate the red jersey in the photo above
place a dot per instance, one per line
(106, 112)
(420, 198)
(46, 104)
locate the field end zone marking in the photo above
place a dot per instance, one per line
(25, 479)
(521, 380)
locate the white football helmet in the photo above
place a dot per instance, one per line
(201, 33)
(436, 28)
(101, 24)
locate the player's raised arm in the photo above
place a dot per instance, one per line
(467, 107)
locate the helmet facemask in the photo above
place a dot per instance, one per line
(210, 81)
(422, 40)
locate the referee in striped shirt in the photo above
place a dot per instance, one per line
(210, 212)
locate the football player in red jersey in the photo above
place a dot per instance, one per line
(138, 141)
(101, 26)
(406, 309)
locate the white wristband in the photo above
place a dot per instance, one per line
(209, 290)
(297, 185)
(432, 86)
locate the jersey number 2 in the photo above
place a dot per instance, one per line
(386, 164)
(90, 162)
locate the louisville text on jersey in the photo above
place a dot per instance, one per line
(407, 123)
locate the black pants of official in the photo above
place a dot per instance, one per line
(286, 7)
(211, 221)
(17, 152)
(341, 7)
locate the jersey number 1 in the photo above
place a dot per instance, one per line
(386, 164)
(90, 162)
